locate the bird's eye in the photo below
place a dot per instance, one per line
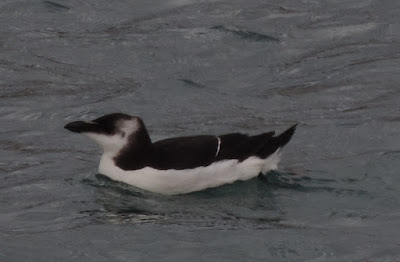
(123, 134)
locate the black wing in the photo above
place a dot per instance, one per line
(184, 152)
(240, 146)
(195, 151)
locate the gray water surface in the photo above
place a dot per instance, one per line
(202, 67)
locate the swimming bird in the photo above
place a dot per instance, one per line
(182, 164)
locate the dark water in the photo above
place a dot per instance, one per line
(202, 67)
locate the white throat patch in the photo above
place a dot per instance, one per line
(113, 144)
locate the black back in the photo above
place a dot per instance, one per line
(184, 152)
(195, 151)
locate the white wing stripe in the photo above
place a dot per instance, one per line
(218, 147)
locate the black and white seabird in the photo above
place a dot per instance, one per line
(179, 165)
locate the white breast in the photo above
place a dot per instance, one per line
(172, 182)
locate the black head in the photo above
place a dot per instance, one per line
(111, 131)
(108, 124)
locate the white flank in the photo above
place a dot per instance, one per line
(173, 182)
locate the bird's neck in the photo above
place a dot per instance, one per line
(135, 155)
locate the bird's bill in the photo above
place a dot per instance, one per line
(84, 127)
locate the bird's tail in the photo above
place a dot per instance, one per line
(277, 142)
(285, 137)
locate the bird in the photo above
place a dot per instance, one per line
(179, 165)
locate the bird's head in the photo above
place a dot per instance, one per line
(112, 132)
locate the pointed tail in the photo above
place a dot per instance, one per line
(285, 137)
(277, 142)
